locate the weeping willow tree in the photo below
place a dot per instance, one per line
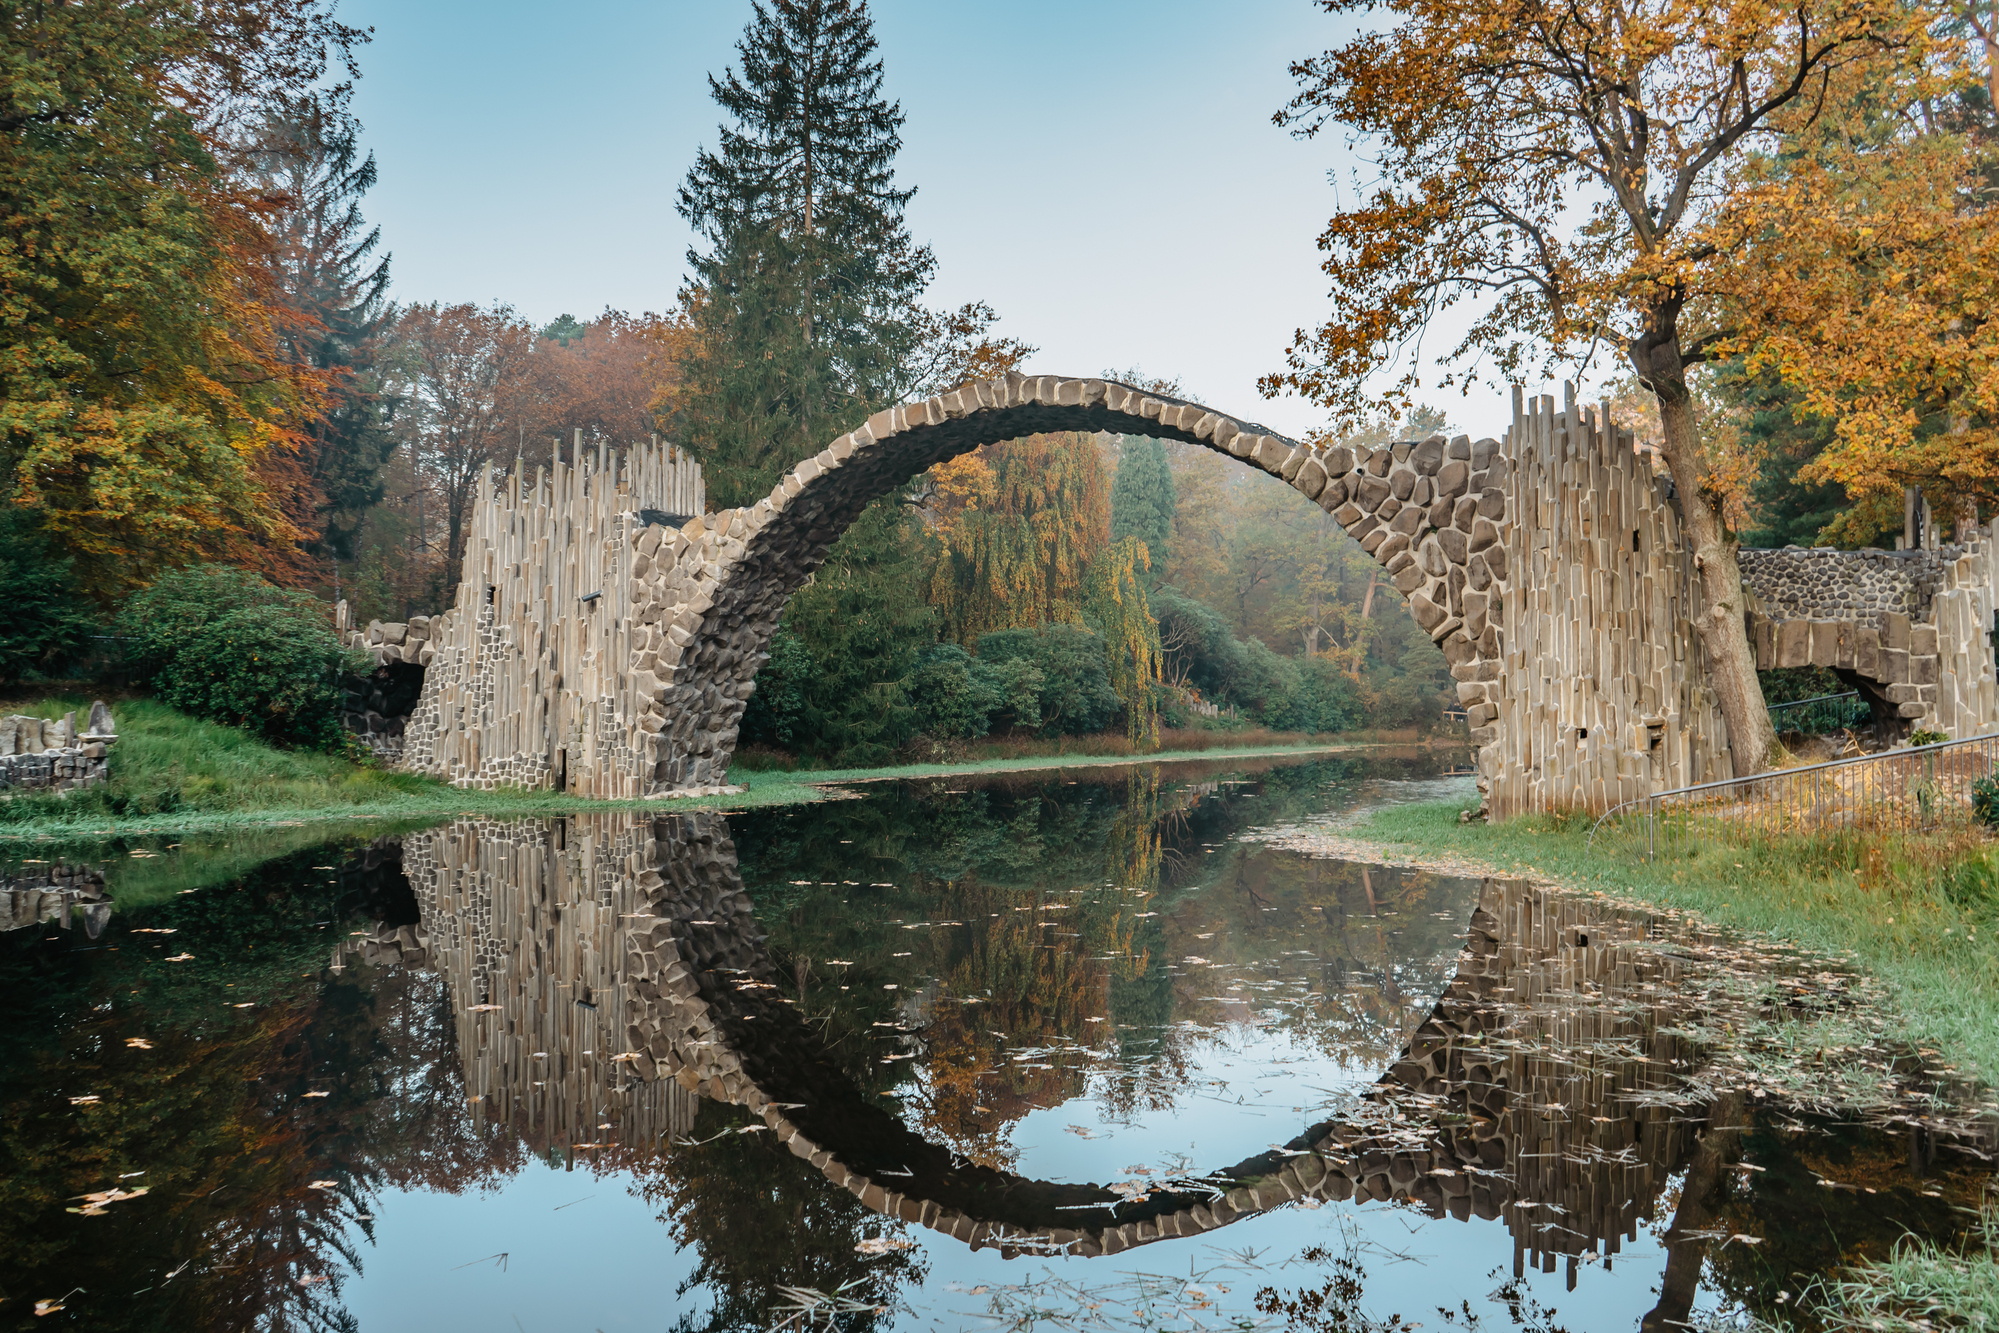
(1115, 605)
(1020, 525)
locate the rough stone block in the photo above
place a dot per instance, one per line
(1338, 461)
(1427, 613)
(1428, 456)
(1373, 490)
(1492, 502)
(1397, 544)
(1867, 651)
(1408, 579)
(1794, 643)
(1483, 534)
(1922, 641)
(1843, 649)
(1894, 664)
(1923, 670)
(1311, 479)
(1825, 643)
(1410, 520)
(1402, 483)
(1463, 513)
(1894, 630)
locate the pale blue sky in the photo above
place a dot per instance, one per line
(1105, 174)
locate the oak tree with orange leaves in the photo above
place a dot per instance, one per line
(1573, 171)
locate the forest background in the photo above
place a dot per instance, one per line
(204, 371)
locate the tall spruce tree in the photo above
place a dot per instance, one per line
(805, 295)
(1142, 497)
(310, 164)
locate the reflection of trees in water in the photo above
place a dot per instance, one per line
(760, 1220)
(211, 1113)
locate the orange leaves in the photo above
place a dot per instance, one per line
(1569, 170)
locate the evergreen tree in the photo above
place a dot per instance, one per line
(1142, 497)
(336, 290)
(1785, 511)
(863, 621)
(805, 299)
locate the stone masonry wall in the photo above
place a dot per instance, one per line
(1909, 629)
(38, 754)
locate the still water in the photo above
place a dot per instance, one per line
(1061, 1049)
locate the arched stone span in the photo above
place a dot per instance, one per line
(722, 583)
(598, 652)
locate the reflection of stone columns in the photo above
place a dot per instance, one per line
(604, 968)
(63, 894)
(528, 920)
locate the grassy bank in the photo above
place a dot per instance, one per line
(1920, 913)
(171, 774)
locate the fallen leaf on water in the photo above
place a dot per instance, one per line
(250, 1005)
(180, 958)
(84, 1100)
(48, 1307)
(319, 1094)
(139, 1043)
(323, 1185)
(883, 1245)
(154, 930)
(484, 1009)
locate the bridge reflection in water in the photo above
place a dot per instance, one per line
(607, 970)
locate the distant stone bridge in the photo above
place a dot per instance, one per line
(602, 646)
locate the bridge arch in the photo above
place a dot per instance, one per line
(1431, 511)
(602, 646)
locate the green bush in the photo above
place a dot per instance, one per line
(224, 645)
(1985, 801)
(959, 697)
(1076, 698)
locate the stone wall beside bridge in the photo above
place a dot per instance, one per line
(603, 644)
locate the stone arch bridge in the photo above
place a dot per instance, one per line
(605, 644)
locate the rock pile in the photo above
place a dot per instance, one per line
(40, 754)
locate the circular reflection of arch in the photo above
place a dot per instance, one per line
(650, 941)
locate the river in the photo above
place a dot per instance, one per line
(1063, 1049)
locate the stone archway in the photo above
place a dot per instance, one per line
(1545, 564)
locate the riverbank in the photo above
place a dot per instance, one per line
(172, 774)
(1920, 914)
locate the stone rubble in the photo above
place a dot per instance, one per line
(38, 754)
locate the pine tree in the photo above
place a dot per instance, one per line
(310, 163)
(805, 297)
(1142, 497)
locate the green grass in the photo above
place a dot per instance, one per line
(1923, 1286)
(172, 774)
(1918, 913)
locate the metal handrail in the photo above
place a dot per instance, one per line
(1823, 780)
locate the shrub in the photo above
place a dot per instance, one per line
(1928, 737)
(223, 644)
(1076, 698)
(1985, 801)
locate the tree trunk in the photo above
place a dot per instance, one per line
(1730, 661)
(1699, 1211)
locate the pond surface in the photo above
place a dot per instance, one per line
(1057, 1049)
